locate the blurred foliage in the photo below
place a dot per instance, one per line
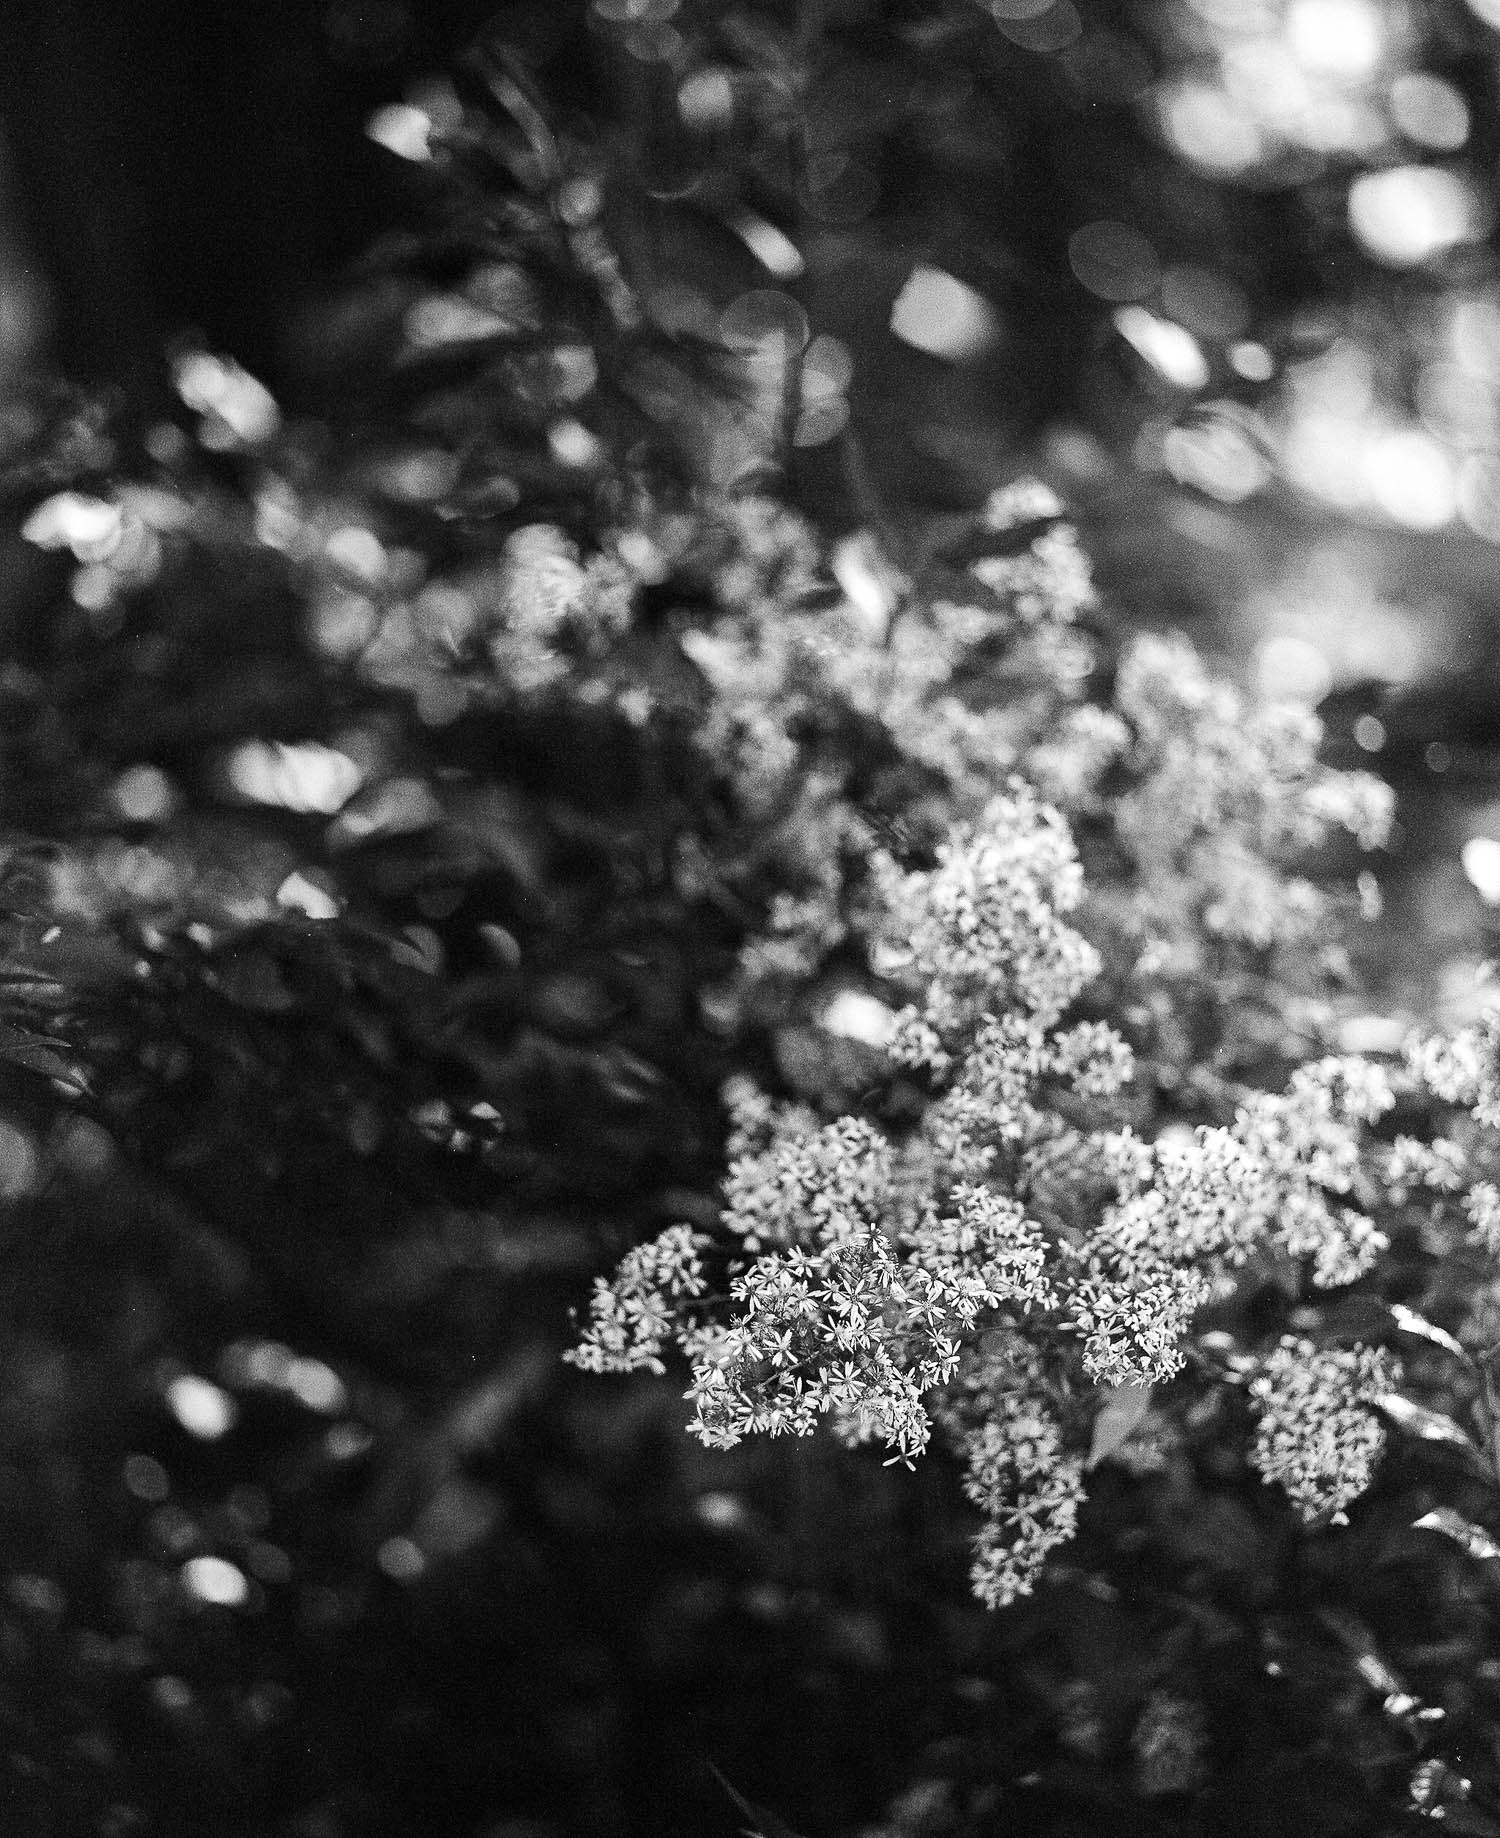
(365, 981)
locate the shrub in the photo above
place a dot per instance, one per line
(416, 830)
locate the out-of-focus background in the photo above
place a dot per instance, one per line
(1224, 270)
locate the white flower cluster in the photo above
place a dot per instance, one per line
(1317, 1437)
(803, 1181)
(853, 1313)
(635, 1314)
(1189, 1209)
(1482, 1204)
(532, 619)
(1038, 1232)
(1463, 1068)
(1183, 1212)
(545, 602)
(1407, 1162)
(1310, 1143)
(1017, 1467)
(985, 924)
(1210, 796)
(1050, 580)
(869, 1273)
(799, 689)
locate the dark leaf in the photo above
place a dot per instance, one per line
(1464, 1533)
(34, 1056)
(1428, 1425)
(763, 1822)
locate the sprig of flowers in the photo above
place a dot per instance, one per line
(1056, 881)
(1317, 1437)
(873, 1275)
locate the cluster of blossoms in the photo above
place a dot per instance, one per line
(1463, 1069)
(894, 710)
(939, 794)
(1017, 1466)
(520, 623)
(991, 1267)
(1040, 857)
(905, 709)
(633, 1316)
(1317, 1437)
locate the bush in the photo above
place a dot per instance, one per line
(415, 829)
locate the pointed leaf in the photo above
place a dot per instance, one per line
(1464, 1533)
(1417, 1420)
(1359, 1642)
(12, 1036)
(764, 1822)
(1121, 1414)
(1420, 1328)
(40, 1057)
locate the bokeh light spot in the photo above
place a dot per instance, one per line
(1406, 215)
(449, 319)
(200, 1406)
(772, 248)
(1291, 669)
(1486, 10)
(237, 410)
(706, 99)
(1205, 300)
(20, 1161)
(1209, 128)
(936, 313)
(90, 527)
(1220, 452)
(1410, 477)
(146, 1479)
(1113, 261)
(1429, 111)
(765, 319)
(866, 580)
(217, 1581)
(1479, 496)
(403, 130)
(1170, 349)
(1337, 38)
(401, 1559)
(307, 777)
(1052, 30)
(853, 1014)
(300, 894)
(1252, 361)
(1480, 858)
(143, 794)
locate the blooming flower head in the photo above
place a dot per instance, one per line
(1318, 1438)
